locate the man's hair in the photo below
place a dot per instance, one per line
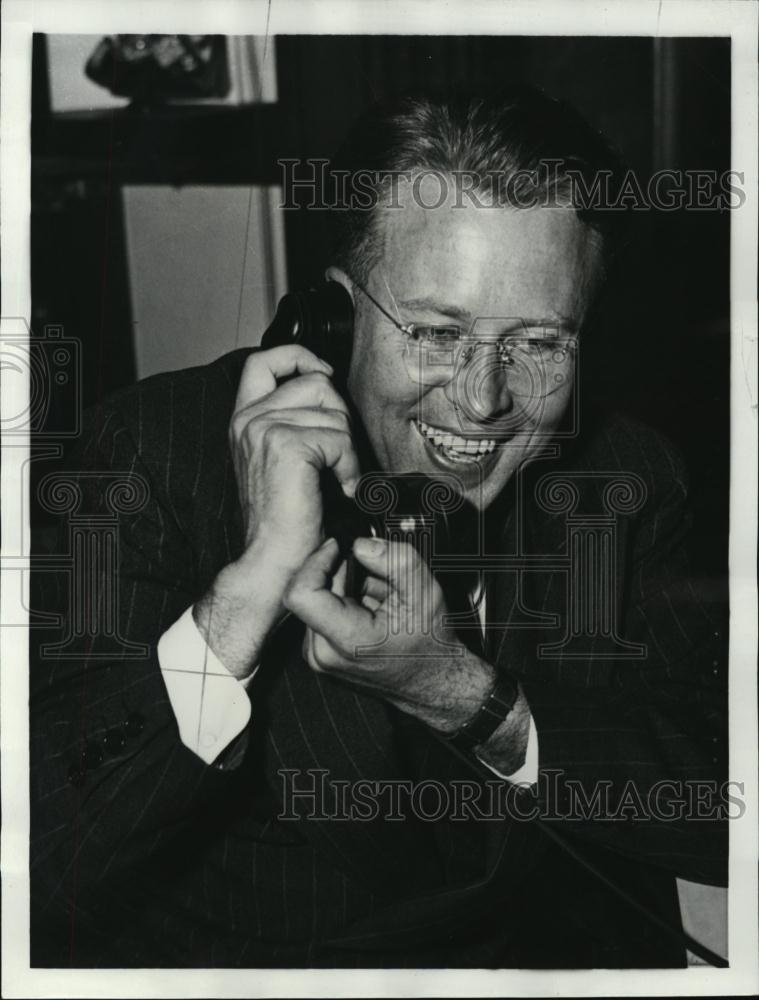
(518, 148)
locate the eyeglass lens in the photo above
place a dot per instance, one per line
(531, 365)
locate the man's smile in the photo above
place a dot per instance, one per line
(473, 458)
(467, 448)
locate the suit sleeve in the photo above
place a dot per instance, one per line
(633, 753)
(114, 792)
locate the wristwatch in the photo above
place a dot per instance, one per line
(488, 717)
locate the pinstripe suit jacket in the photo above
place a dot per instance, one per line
(145, 856)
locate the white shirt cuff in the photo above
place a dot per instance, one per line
(210, 705)
(527, 774)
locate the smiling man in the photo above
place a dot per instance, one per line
(298, 774)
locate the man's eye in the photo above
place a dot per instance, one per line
(438, 335)
(537, 346)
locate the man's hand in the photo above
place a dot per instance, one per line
(281, 437)
(395, 643)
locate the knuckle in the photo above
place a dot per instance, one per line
(342, 418)
(307, 651)
(274, 435)
(323, 655)
(251, 377)
(342, 441)
(297, 351)
(319, 380)
(281, 352)
(247, 423)
(324, 390)
(237, 424)
(292, 595)
(314, 664)
(346, 426)
(253, 363)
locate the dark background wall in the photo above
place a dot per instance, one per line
(665, 103)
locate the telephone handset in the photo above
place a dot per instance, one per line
(321, 319)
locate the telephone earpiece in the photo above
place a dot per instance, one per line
(320, 319)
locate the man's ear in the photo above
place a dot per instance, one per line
(337, 274)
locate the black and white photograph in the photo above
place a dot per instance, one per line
(379, 498)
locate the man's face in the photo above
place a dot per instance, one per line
(451, 265)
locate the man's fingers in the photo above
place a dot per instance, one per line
(330, 419)
(309, 595)
(338, 580)
(397, 563)
(311, 389)
(300, 437)
(264, 368)
(266, 413)
(374, 587)
(388, 560)
(371, 603)
(334, 449)
(311, 600)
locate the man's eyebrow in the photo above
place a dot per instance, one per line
(559, 321)
(568, 323)
(434, 305)
(427, 304)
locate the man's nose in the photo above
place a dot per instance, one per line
(480, 386)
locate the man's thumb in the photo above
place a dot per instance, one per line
(397, 562)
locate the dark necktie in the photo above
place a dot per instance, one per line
(458, 587)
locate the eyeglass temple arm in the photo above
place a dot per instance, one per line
(407, 329)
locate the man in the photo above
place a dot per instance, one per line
(218, 780)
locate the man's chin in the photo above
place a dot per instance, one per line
(491, 487)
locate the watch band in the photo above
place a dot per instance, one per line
(488, 717)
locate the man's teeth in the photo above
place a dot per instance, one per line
(455, 445)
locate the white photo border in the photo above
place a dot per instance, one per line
(664, 18)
